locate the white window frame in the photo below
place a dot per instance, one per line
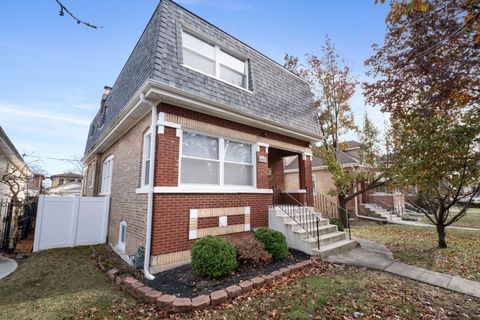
(144, 159)
(216, 60)
(221, 161)
(106, 187)
(120, 243)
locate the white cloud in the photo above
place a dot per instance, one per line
(5, 109)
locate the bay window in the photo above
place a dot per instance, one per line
(213, 61)
(210, 160)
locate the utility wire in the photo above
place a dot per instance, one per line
(64, 9)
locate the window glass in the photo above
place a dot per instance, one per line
(146, 159)
(198, 171)
(199, 46)
(205, 58)
(238, 152)
(199, 146)
(198, 62)
(238, 174)
(232, 76)
(232, 62)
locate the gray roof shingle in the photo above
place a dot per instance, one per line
(277, 94)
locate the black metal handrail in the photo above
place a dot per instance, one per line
(300, 214)
(331, 210)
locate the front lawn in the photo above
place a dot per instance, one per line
(418, 246)
(60, 284)
(64, 284)
(470, 220)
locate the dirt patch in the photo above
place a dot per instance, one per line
(183, 281)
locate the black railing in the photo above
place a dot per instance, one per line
(332, 211)
(303, 216)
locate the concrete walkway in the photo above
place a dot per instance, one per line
(7, 266)
(376, 256)
(422, 224)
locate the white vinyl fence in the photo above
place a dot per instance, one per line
(70, 221)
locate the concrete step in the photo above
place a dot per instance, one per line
(322, 230)
(310, 220)
(335, 248)
(327, 239)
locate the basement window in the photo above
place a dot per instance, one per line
(213, 61)
(122, 233)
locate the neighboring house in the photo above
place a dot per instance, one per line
(387, 196)
(35, 185)
(68, 183)
(11, 162)
(191, 138)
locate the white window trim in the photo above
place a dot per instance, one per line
(142, 183)
(121, 245)
(109, 186)
(221, 185)
(217, 62)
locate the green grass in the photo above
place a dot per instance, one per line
(470, 220)
(418, 246)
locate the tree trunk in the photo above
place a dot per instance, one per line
(442, 235)
(342, 203)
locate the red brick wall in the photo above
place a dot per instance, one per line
(262, 170)
(167, 161)
(171, 216)
(305, 172)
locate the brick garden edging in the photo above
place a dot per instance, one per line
(173, 303)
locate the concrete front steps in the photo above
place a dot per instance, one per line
(332, 241)
(375, 212)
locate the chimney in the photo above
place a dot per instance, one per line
(106, 91)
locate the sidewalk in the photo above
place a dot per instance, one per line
(7, 266)
(422, 224)
(376, 256)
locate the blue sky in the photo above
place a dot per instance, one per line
(52, 71)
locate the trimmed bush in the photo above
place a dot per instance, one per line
(251, 252)
(274, 241)
(213, 257)
(338, 223)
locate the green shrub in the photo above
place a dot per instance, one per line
(274, 241)
(251, 252)
(338, 223)
(213, 257)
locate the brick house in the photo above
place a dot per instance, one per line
(190, 139)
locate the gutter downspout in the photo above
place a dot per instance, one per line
(153, 139)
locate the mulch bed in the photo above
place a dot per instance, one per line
(183, 281)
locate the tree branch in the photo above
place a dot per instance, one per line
(64, 9)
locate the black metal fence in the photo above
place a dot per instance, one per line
(16, 223)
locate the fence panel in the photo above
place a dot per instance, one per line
(70, 221)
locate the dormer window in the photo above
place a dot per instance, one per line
(213, 61)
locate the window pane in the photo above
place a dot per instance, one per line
(232, 76)
(198, 62)
(232, 62)
(238, 152)
(146, 177)
(238, 174)
(199, 171)
(197, 45)
(146, 146)
(199, 146)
